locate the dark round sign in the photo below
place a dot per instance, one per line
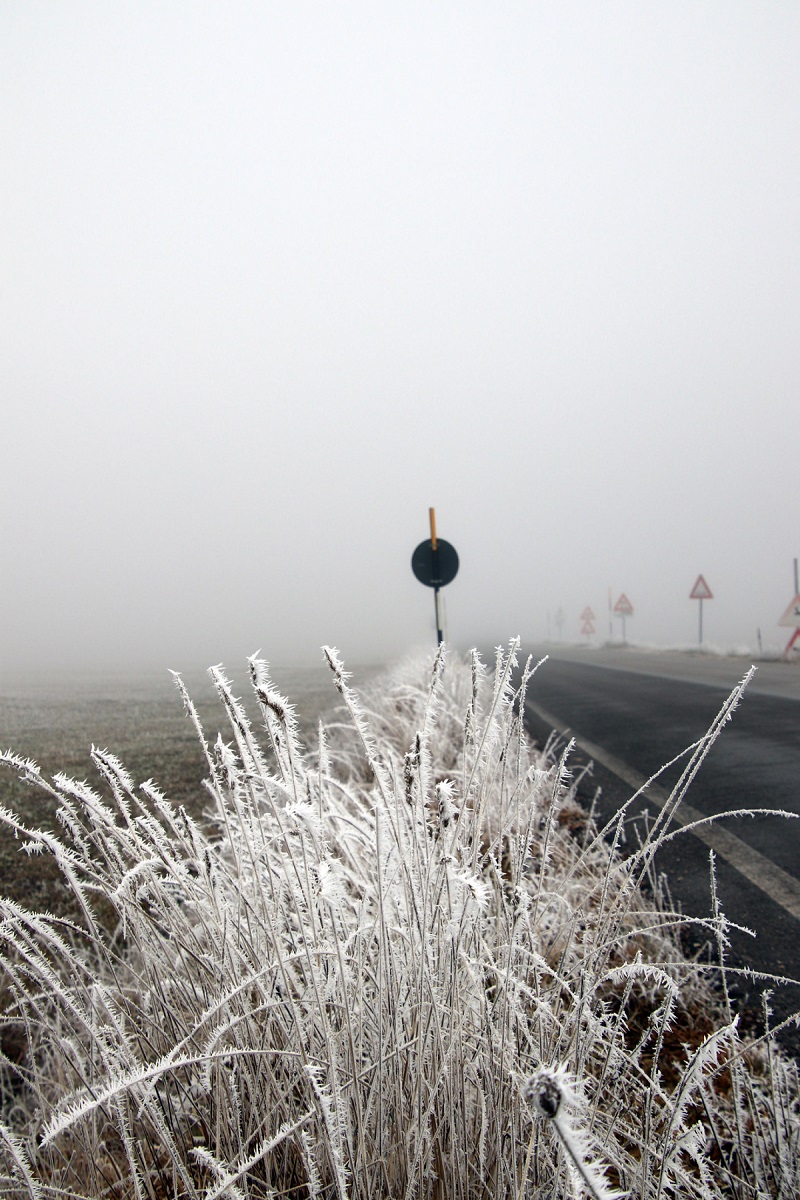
(435, 568)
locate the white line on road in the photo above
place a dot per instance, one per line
(781, 887)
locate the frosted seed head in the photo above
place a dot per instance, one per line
(543, 1093)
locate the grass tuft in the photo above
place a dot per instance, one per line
(404, 963)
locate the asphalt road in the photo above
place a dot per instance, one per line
(633, 712)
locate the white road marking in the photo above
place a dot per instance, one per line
(776, 883)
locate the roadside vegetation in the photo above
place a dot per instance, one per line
(401, 962)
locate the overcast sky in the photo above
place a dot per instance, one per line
(277, 277)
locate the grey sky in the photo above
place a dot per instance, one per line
(277, 277)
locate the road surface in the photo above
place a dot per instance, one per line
(631, 712)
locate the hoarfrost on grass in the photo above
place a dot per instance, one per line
(403, 963)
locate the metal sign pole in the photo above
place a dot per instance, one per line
(435, 556)
(700, 592)
(435, 563)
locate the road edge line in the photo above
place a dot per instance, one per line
(769, 878)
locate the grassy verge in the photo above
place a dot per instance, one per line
(403, 962)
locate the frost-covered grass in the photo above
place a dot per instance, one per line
(402, 963)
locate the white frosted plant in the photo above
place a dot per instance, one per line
(402, 963)
(551, 1095)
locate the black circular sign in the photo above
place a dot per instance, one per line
(435, 568)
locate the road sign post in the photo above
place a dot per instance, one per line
(435, 563)
(623, 608)
(701, 591)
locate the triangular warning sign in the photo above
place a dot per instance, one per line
(623, 606)
(791, 618)
(793, 646)
(587, 614)
(701, 590)
(587, 628)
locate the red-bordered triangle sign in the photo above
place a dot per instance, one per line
(701, 590)
(587, 629)
(623, 606)
(791, 618)
(587, 615)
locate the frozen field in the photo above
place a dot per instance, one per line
(139, 717)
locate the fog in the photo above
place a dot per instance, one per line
(278, 277)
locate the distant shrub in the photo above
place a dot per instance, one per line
(402, 964)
